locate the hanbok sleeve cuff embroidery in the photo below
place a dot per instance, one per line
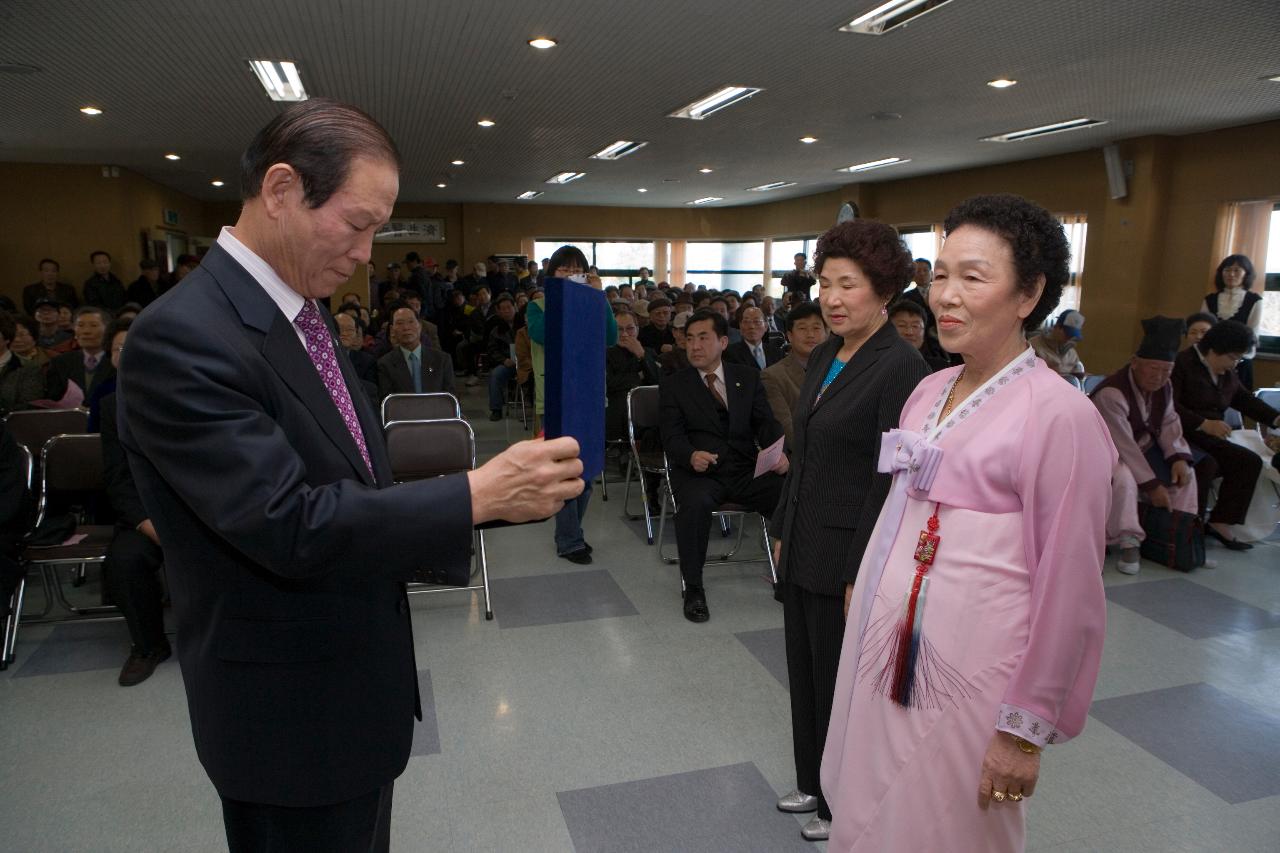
(1024, 724)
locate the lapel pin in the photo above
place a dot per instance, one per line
(737, 385)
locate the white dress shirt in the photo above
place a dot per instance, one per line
(721, 387)
(288, 300)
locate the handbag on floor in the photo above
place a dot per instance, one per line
(1173, 538)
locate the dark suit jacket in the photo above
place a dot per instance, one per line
(394, 376)
(690, 420)
(1196, 398)
(69, 367)
(365, 363)
(833, 493)
(293, 633)
(740, 353)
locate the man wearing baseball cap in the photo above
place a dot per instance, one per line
(1058, 345)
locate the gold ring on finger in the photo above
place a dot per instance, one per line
(998, 796)
(1017, 798)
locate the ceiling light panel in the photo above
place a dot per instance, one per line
(776, 185)
(1044, 130)
(565, 177)
(874, 164)
(280, 78)
(708, 200)
(716, 101)
(1002, 83)
(542, 43)
(618, 150)
(528, 194)
(891, 15)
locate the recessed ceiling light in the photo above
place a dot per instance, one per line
(1275, 79)
(716, 101)
(457, 162)
(442, 186)
(172, 157)
(565, 177)
(808, 140)
(528, 194)
(542, 43)
(486, 122)
(641, 190)
(216, 183)
(280, 78)
(776, 185)
(1044, 130)
(706, 200)
(704, 170)
(1002, 83)
(91, 111)
(874, 164)
(891, 15)
(618, 150)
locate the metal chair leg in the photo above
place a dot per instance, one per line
(644, 499)
(11, 623)
(768, 549)
(483, 558)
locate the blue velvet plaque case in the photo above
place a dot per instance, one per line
(576, 315)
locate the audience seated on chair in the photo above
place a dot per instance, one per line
(20, 383)
(1155, 464)
(51, 337)
(87, 366)
(1057, 346)
(1205, 385)
(48, 287)
(658, 335)
(499, 344)
(805, 330)
(912, 321)
(131, 570)
(627, 365)
(677, 358)
(411, 368)
(753, 350)
(714, 419)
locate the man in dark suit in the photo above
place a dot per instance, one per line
(714, 419)
(89, 366)
(286, 545)
(411, 368)
(753, 350)
(48, 287)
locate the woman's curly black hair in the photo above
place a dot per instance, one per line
(1034, 235)
(1229, 336)
(877, 250)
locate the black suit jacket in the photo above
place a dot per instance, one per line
(69, 367)
(740, 353)
(394, 376)
(833, 493)
(294, 633)
(690, 420)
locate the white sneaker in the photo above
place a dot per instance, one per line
(1126, 568)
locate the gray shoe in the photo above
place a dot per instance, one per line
(798, 802)
(816, 829)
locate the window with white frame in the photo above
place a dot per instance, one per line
(725, 266)
(619, 261)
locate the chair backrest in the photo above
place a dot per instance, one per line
(1093, 380)
(421, 449)
(1270, 396)
(72, 463)
(642, 410)
(1233, 419)
(33, 428)
(437, 406)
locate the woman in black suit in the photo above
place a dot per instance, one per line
(854, 390)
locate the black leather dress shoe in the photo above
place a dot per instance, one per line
(581, 556)
(1231, 544)
(695, 605)
(140, 665)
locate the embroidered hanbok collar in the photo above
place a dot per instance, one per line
(932, 430)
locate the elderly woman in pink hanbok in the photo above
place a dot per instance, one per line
(975, 629)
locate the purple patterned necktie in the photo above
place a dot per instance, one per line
(320, 348)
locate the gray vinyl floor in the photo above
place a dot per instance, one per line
(591, 716)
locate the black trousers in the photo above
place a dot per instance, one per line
(362, 825)
(814, 628)
(1239, 468)
(131, 577)
(699, 495)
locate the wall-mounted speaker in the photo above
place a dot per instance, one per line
(1116, 182)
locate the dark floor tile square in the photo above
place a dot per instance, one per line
(770, 648)
(1192, 609)
(426, 733)
(724, 808)
(77, 648)
(555, 599)
(1207, 735)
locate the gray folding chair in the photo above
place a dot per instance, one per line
(1270, 396)
(437, 406)
(642, 414)
(1091, 381)
(68, 464)
(421, 449)
(10, 637)
(32, 428)
(1233, 419)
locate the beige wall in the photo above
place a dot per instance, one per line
(66, 212)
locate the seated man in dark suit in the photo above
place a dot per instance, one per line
(131, 570)
(353, 344)
(87, 366)
(714, 418)
(753, 350)
(411, 368)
